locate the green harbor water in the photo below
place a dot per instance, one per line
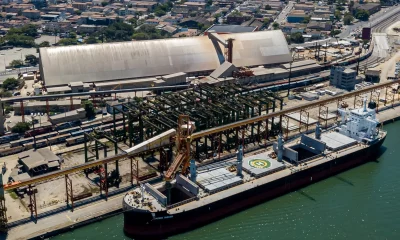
(362, 203)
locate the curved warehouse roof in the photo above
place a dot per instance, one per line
(135, 59)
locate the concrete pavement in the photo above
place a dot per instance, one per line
(66, 218)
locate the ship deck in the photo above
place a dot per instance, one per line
(259, 168)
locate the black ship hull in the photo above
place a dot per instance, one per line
(144, 225)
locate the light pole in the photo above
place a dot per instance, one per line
(33, 130)
(290, 73)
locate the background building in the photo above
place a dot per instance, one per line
(139, 59)
(342, 77)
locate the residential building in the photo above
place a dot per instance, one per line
(143, 4)
(69, 116)
(223, 29)
(237, 19)
(370, 7)
(153, 22)
(296, 17)
(304, 7)
(15, 8)
(80, 6)
(342, 77)
(31, 14)
(194, 6)
(86, 28)
(320, 26)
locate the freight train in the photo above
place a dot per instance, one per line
(70, 136)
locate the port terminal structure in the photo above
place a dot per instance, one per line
(219, 130)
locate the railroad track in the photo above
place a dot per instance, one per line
(379, 28)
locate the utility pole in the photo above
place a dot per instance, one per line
(290, 73)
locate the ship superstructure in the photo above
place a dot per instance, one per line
(359, 124)
(206, 192)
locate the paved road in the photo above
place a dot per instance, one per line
(375, 20)
(65, 219)
(19, 70)
(282, 16)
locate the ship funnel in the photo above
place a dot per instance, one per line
(365, 104)
(318, 131)
(280, 147)
(193, 173)
(239, 162)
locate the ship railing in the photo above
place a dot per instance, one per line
(269, 172)
(225, 187)
(181, 203)
(345, 146)
(310, 158)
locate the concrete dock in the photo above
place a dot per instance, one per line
(62, 221)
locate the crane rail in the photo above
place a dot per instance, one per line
(289, 110)
(52, 175)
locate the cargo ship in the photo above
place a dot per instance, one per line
(213, 191)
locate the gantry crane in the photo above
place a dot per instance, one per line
(185, 129)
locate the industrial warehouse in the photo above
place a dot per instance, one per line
(136, 60)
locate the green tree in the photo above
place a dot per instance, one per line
(306, 19)
(32, 59)
(275, 25)
(89, 108)
(236, 13)
(209, 2)
(10, 83)
(297, 37)
(27, 30)
(193, 14)
(335, 32)
(338, 15)
(339, 7)
(351, 5)
(78, 12)
(218, 15)
(5, 94)
(17, 40)
(17, 63)
(72, 35)
(267, 7)
(103, 4)
(348, 19)
(362, 15)
(21, 127)
(118, 32)
(133, 21)
(266, 22)
(8, 108)
(91, 40)
(44, 44)
(67, 42)
(159, 12)
(140, 36)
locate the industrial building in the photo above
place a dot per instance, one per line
(69, 116)
(229, 72)
(342, 77)
(226, 28)
(372, 75)
(38, 161)
(44, 107)
(152, 58)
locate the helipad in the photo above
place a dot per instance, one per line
(261, 164)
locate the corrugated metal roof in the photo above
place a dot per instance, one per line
(112, 61)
